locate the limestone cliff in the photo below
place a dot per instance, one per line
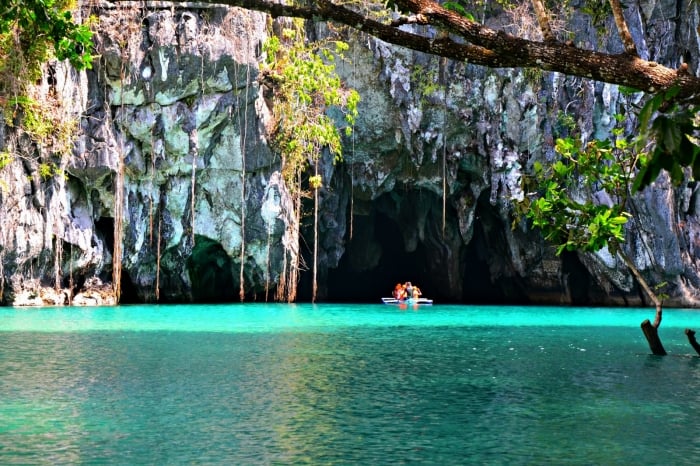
(173, 118)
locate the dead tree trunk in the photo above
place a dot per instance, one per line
(690, 333)
(651, 330)
(651, 333)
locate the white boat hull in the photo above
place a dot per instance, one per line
(418, 301)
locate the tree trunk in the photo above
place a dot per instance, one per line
(690, 333)
(652, 335)
(651, 331)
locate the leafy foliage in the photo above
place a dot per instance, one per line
(560, 205)
(36, 26)
(669, 133)
(32, 32)
(458, 8)
(306, 88)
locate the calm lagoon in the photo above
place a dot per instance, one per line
(345, 384)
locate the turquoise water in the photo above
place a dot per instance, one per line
(344, 384)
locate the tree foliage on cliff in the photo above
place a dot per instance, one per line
(561, 201)
(305, 88)
(32, 32)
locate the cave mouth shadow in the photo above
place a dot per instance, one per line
(376, 259)
(211, 272)
(129, 293)
(382, 263)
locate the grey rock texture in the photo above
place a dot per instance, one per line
(175, 113)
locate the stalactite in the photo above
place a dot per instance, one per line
(150, 197)
(442, 69)
(194, 143)
(194, 146)
(352, 149)
(71, 284)
(2, 275)
(267, 263)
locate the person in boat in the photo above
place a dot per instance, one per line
(399, 291)
(417, 293)
(408, 287)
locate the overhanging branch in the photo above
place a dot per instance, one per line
(477, 44)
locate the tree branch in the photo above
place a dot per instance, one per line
(690, 333)
(622, 29)
(643, 283)
(480, 45)
(543, 20)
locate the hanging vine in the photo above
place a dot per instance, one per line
(352, 149)
(306, 86)
(244, 133)
(443, 81)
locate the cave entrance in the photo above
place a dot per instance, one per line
(486, 256)
(477, 285)
(104, 228)
(210, 270)
(374, 261)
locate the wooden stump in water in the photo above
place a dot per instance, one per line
(652, 335)
(690, 333)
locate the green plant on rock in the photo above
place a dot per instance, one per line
(31, 33)
(49, 170)
(306, 88)
(425, 80)
(33, 30)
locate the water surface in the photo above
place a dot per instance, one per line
(342, 384)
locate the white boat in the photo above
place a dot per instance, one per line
(411, 301)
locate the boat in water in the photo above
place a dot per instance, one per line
(411, 301)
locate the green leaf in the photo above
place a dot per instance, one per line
(458, 8)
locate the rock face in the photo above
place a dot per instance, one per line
(174, 121)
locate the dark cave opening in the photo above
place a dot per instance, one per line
(378, 239)
(485, 256)
(577, 278)
(211, 272)
(376, 259)
(477, 287)
(104, 227)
